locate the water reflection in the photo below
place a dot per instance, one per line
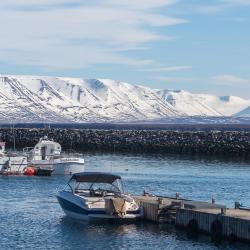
(137, 236)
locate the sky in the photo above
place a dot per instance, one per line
(196, 45)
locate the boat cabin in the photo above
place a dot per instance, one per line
(46, 150)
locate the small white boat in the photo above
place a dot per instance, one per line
(47, 155)
(11, 164)
(95, 195)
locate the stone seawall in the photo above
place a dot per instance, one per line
(135, 141)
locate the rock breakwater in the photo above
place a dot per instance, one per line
(135, 141)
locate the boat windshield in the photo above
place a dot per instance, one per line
(114, 187)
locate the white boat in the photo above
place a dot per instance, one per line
(47, 155)
(11, 164)
(95, 195)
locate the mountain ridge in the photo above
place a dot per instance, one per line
(44, 98)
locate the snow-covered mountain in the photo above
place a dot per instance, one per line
(30, 98)
(59, 99)
(244, 113)
(204, 104)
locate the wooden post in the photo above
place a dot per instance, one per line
(237, 205)
(177, 196)
(213, 200)
(223, 211)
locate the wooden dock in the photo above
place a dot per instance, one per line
(197, 216)
(229, 223)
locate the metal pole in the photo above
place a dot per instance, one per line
(14, 138)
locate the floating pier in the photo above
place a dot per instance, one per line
(233, 224)
(197, 216)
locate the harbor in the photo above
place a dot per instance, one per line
(195, 216)
(33, 210)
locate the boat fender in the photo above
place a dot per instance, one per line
(30, 171)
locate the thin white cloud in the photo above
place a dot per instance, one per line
(176, 79)
(132, 4)
(221, 5)
(142, 4)
(230, 80)
(76, 33)
(169, 69)
(210, 9)
(236, 2)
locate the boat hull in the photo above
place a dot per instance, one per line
(13, 164)
(60, 167)
(68, 168)
(74, 207)
(95, 217)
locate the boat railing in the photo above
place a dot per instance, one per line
(15, 153)
(27, 150)
(70, 155)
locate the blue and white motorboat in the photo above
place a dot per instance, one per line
(97, 195)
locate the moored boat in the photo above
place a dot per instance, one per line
(97, 195)
(11, 164)
(47, 154)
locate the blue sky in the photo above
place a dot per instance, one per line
(199, 46)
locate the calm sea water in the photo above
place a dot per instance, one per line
(31, 218)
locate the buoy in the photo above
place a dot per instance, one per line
(30, 171)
